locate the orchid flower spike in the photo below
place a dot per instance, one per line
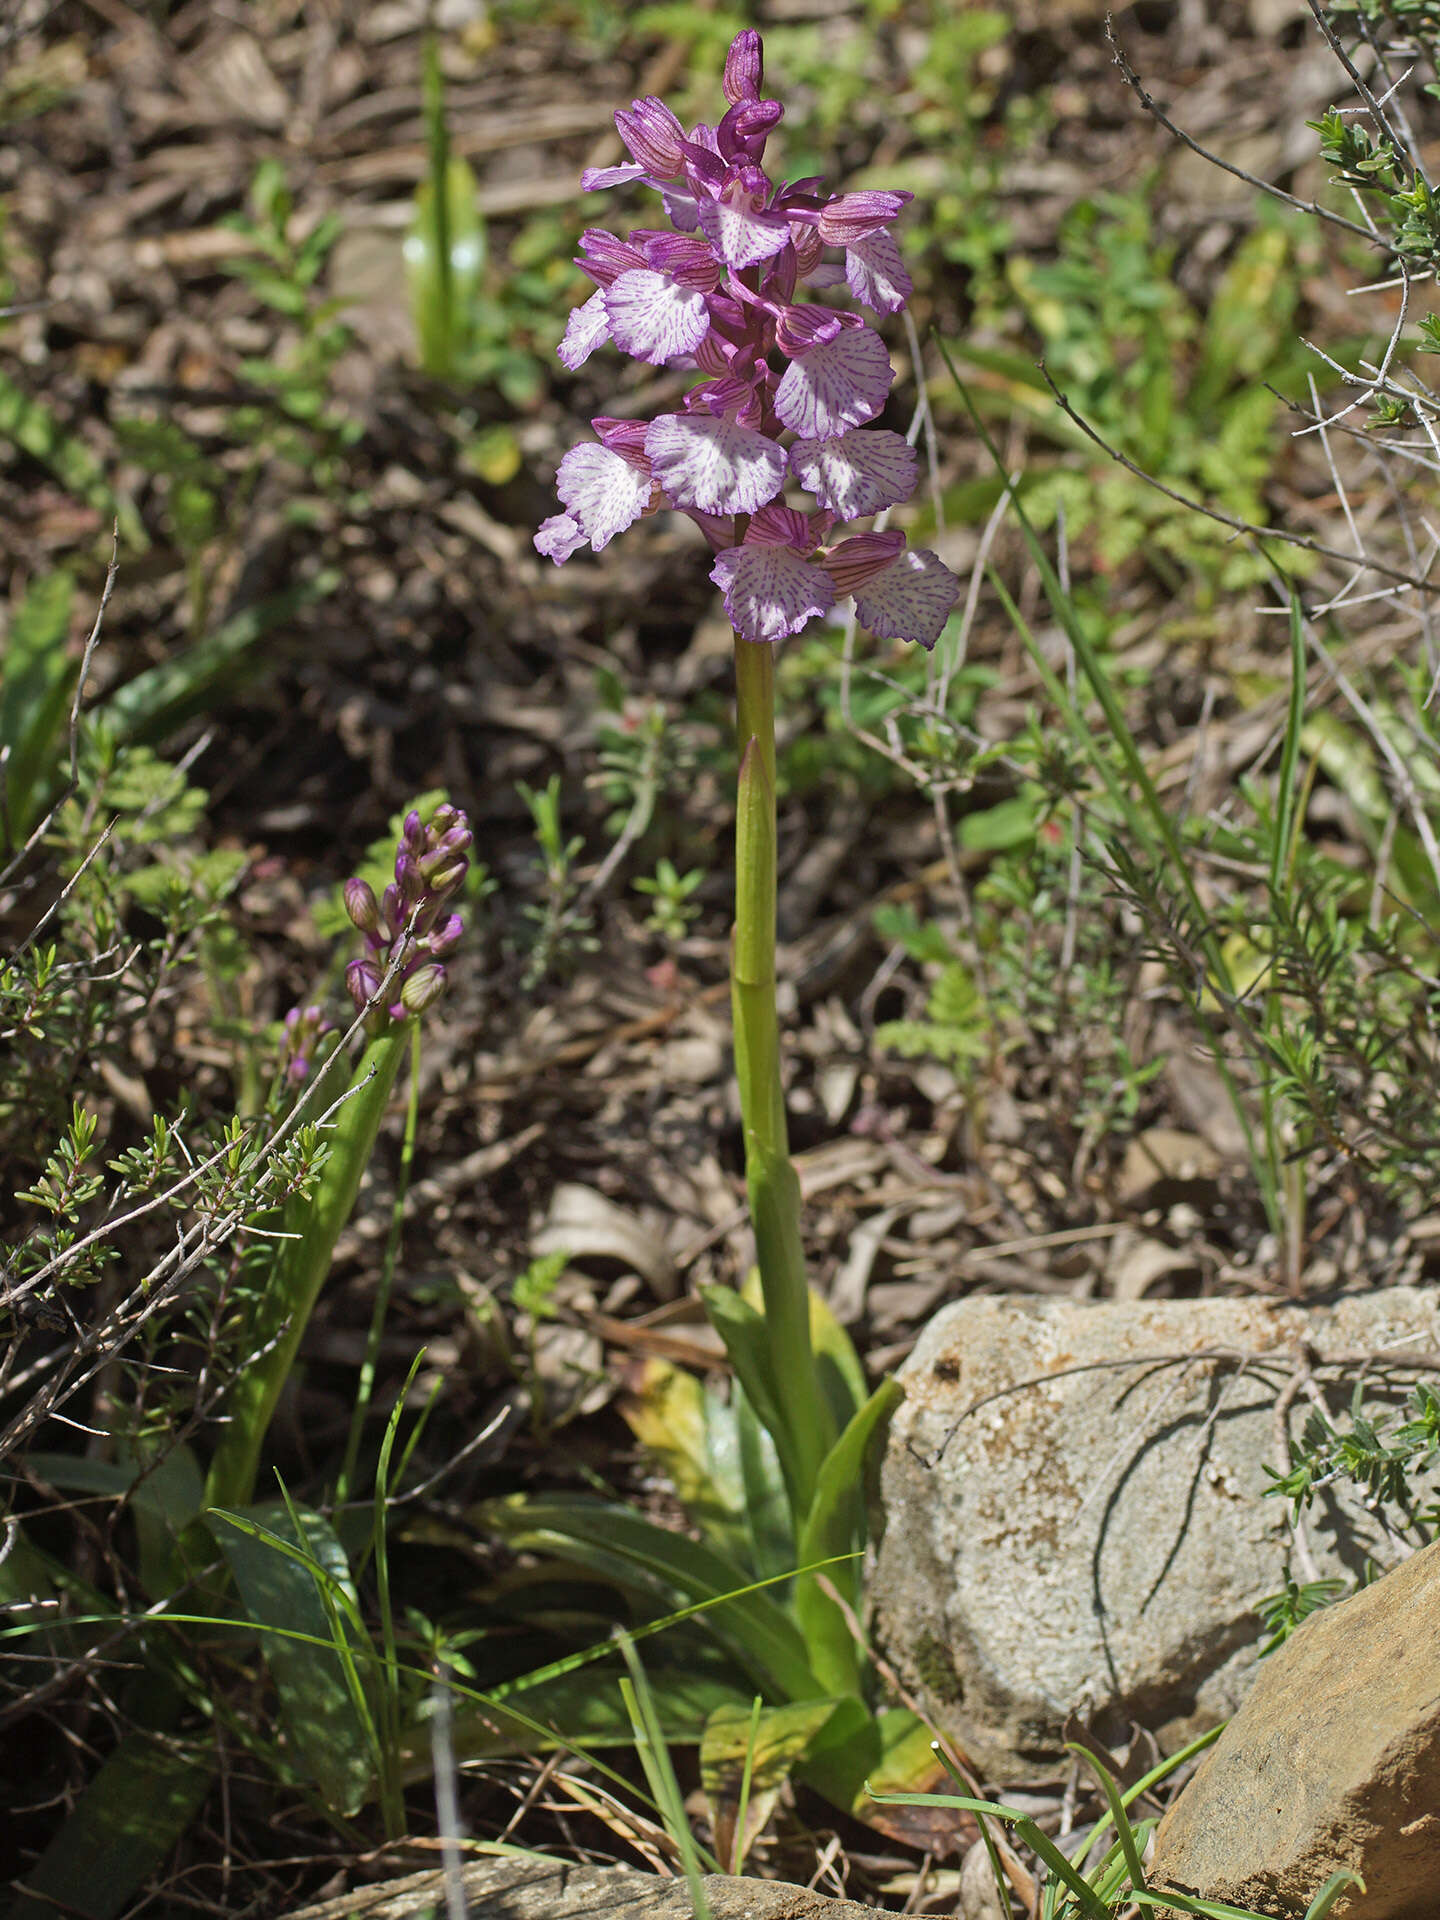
(717, 291)
(409, 924)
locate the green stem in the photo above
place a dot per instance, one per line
(770, 1179)
(311, 1227)
(368, 1366)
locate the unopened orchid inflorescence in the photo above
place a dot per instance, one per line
(305, 1027)
(717, 291)
(409, 925)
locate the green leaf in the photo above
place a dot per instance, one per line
(619, 1546)
(747, 1343)
(35, 691)
(584, 1710)
(690, 1434)
(445, 247)
(122, 1827)
(835, 1525)
(286, 1590)
(33, 428)
(767, 1747)
(156, 702)
(1010, 823)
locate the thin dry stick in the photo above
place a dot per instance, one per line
(1133, 81)
(1247, 527)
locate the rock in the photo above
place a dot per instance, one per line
(1333, 1761)
(1093, 1537)
(558, 1890)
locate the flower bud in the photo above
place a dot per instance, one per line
(362, 906)
(409, 880)
(392, 913)
(448, 878)
(744, 68)
(413, 832)
(654, 137)
(362, 982)
(445, 938)
(422, 988)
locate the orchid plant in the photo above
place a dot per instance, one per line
(786, 392)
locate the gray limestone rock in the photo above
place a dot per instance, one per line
(1074, 1511)
(557, 1890)
(1333, 1761)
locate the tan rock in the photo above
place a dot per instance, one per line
(1075, 1519)
(1333, 1761)
(561, 1890)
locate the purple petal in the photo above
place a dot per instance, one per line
(840, 383)
(800, 329)
(714, 464)
(735, 223)
(852, 216)
(876, 273)
(771, 591)
(594, 178)
(910, 600)
(603, 491)
(744, 67)
(655, 319)
(604, 256)
(654, 137)
(589, 328)
(559, 537)
(681, 208)
(856, 561)
(622, 436)
(683, 258)
(780, 526)
(858, 472)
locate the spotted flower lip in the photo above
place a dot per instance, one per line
(726, 291)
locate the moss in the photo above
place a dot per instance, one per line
(933, 1667)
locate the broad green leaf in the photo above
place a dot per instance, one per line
(766, 1504)
(164, 1498)
(689, 1433)
(770, 1746)
(124, 1824)
(323, 1718)
(618, 1546)
(1010, 823)
(747, 1343)
(445, 247)
(36, 683)
(584, 1710)
(834, 1525)
(157, 701)
(33, 428)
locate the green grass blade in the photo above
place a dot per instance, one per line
(1123, 1829)
(1327, 1895)
(654, 1752)
(291, 1572)
(619, 1546)
(1085, 1896)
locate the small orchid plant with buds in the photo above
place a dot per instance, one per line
(783, 405)
(408, 931)
(406, 937)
